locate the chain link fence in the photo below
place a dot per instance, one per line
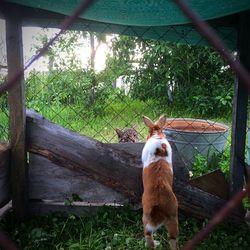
(4, 113)
(94, 83)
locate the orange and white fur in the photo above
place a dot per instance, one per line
(160, 206)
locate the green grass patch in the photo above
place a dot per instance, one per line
(100, 121)
(4, 124)
(113, 229)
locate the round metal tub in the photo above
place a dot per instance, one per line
(196, 136)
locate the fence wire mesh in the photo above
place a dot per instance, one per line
(4, 113)
(94, 83)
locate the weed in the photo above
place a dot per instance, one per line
(202, 165)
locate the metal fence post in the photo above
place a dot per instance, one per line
(237, 165)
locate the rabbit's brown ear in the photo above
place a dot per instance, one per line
(162, 120)
(148, 122)
(119, 132)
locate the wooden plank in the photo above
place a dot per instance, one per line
(247, 218)
(5, 209)
(16, 98)
(247, 172)
(240, 102)
(214, 183)
(77, 208)
(4, 174)
(48, 181)
(192, 201)
(200, 204)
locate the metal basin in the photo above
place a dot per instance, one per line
(196, 136)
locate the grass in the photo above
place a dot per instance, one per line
(100, 122)
(113, 229)
(4, 124)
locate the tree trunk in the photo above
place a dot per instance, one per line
(92, 66)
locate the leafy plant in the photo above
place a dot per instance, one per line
(191, 78)
(202, 165)
(70, 201)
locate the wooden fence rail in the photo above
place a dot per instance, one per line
(4, 174)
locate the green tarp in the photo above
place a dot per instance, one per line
(148, 17)
(141, 12)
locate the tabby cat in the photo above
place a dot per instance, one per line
(127, 135)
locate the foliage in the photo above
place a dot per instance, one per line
(65, 52)
(70, 201)
(113, 229)
(3, 99)
(4, 114)
(191, 78)
(186, 77)
(202, 165)
(120, 61)
(61, 88)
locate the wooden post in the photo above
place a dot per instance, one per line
(237, 166)
(16, 98)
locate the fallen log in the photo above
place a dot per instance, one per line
(104, 163)
(83, 154)
(117, 167)
(48, 181)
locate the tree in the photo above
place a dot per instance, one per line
(95, 40)
(195, 79)
(121, 60)
(67, 73)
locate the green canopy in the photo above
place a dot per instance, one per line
(141, 12)
(148, 18)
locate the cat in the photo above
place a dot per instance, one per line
(127, 135)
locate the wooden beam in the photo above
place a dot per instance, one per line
(4, 174)
(38, 208)
(237, 164)
(214, 183)
(45, 176)
(16, 98)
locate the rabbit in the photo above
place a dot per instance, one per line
(160, 206)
